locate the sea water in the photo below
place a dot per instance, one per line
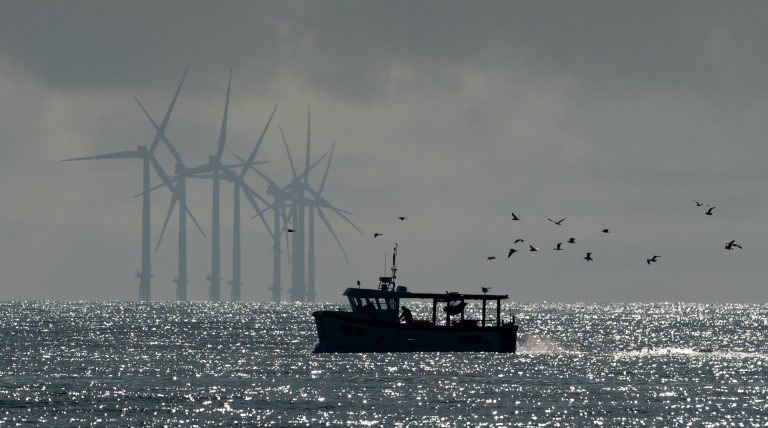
(132, 364)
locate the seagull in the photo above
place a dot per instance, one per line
(491, 258)
(376, 235)
(652, 259)
(533, 248)
(698, 204)
(606, 230)
(588, 257)
(511, 251)
(709, 211)
(515, 217)
(559, 222)
(289, 230)
(519, 240)
(571, 240)
(401, 218)
(557, 247)
(731, 244)
(485, 289)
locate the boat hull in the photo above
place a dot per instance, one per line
(351, 332)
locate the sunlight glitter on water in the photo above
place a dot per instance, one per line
(198, 363)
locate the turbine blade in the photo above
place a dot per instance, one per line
(338, 212)
(157, 186)
(330, 229)
(167, 116)
(327, 168)
(165, 223)
(251, 196)
(309, 139)
(290, 158)
(131, 154)
(252, 155)
(223, 130)
(298, 178)
(171, 148)
(194, 220)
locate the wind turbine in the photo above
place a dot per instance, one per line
(301, 290)
(215, 171)
(280, 196)
(236, 281)
(179, 194)
(146, 155)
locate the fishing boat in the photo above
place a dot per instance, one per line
(374, 322)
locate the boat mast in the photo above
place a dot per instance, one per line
(394, 266)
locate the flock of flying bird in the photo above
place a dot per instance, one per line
(730, 245)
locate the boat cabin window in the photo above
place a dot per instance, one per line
(370, 304)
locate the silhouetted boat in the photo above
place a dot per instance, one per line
(373, 323)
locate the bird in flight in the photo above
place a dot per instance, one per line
(511, 251)
(571, 240)
(376, 235)
(731, 244)
(606, 230)
(401, 218)
(288, 230)
(709, 211)
(491, 258)
(486, 289)
(515, 217)
(519, 240)
(698, 204)
(532, 248)
(559, 222)
(653, 259)
(557, 247)
(588, 257)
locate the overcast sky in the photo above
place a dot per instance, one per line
(613, 114)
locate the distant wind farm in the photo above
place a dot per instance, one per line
(294, 207)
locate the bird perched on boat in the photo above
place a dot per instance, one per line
(588, 257)
(606, 230)
(515, 217)
(532, 248)
(486, 289)
(519, 240)
(289, 230)
(376, 235)
(511, 251)
(698, 204)
(559, 222)
(401, 218)
(358, 283)
(491, 258)
(557, 247)
(709, 211)
(731, 244)
(653, 259)
(571, 240)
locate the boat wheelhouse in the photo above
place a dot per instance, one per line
(374, 322)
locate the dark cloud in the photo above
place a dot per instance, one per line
(353, 48)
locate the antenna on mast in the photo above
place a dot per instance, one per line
(388, 282)
(394, 264)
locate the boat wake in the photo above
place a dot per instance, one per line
(530, 344)
(692, 352)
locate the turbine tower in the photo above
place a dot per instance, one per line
(146, 154)
(215, 171)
